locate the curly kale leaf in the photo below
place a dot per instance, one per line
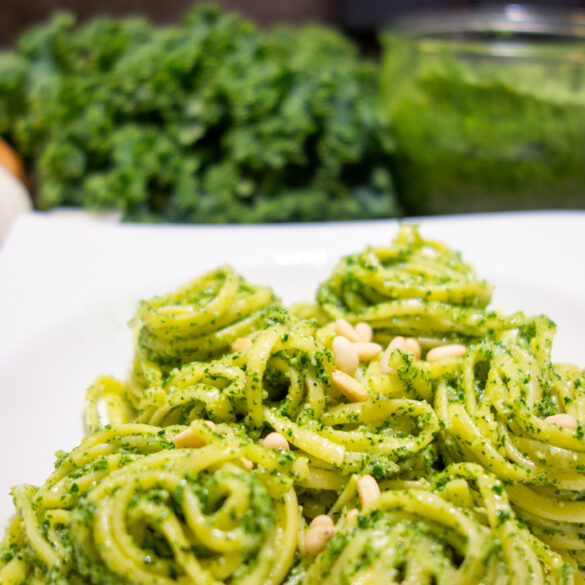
(208, 121)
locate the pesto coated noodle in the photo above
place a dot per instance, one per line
(465, 468)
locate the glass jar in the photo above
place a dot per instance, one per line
(488, 110)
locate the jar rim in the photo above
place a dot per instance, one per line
(513, 19)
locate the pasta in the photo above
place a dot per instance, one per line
(495, 412)
(213, 518)
(197, 321)
(415, 287)
(416, 535)
(398, 430)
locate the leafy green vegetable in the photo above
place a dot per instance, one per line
(208, 121)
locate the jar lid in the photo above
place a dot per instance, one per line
(512, 20)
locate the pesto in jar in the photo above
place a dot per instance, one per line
(486, 127)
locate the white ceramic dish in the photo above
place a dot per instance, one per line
(68, 285)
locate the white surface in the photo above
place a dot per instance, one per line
(14, 200)
(68, 285)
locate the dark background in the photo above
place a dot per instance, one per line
(359, 18)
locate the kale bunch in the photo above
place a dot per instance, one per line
(208, 121)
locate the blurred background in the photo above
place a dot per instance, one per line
(362, 18)
(249, 111)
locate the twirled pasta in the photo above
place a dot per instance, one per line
(415, 287)
(179, 481)
(555, 516)
(127, 507)
(281, 382)
(198, 321)
(458, 530)
(495, 407)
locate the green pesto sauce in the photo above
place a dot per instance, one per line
(483, 134)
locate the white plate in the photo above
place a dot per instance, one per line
(68, 286)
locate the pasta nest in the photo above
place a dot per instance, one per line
(459, 529)
(282, 383)
(127, 507)
(494, 411)
(197, 321)
(414, 287)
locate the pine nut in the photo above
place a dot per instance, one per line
(367, 350)
(346, 357)
(351, 515)
(562, 420)
(413, 346)
(368, 490)
(321, 520)
(317, 538)
(275, 441)
(364, 331)
(241, 343)
(345, 329)
(188, 438)
(396, 343)
(247, 463)
(443, 352)
(349, 386)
